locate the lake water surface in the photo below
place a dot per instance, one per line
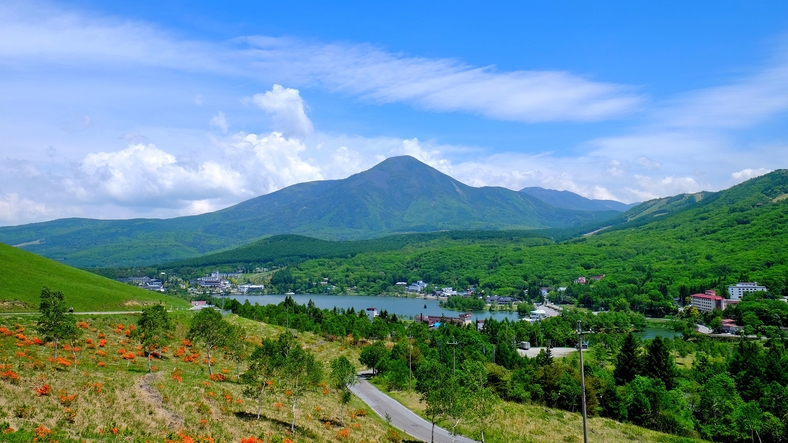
(403, 307)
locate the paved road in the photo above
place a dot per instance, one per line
(401, 417)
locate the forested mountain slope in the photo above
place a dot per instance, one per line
(733, 235)
(570, 200)
(398, 195)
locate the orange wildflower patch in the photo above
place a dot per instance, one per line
(42, 431)
(176, 375)
(251, 440)
(10, 375)
(102, 342)
(43, 390)
(5, 331)
(343, 434)
(217, 377)
(66, 399)
(83, 325)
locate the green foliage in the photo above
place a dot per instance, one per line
(152, 329)
(459, 303)
(209, 327)
(343, 376)
(53, 323)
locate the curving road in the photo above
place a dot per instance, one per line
(402, 418)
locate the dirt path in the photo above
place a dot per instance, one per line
(152, 396)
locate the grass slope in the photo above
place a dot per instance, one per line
(110, 397)
(510, 422)
(23, 274)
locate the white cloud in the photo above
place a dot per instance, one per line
(198, 100)
(748, 173)
(446, 85)
(743, 103)
(144, 175)
(287, 110)
(219, 121)
(16, 209)
(271, 162)
(651, 188)
(42, 34)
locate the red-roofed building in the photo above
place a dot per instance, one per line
(708, 301)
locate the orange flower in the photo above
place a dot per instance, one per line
(101, 364)
(42, 431)
(43, 390)
(217, 377)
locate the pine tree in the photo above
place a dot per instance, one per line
(627, 361)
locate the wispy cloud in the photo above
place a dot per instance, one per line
(47, 35)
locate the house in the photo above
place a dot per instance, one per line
(435, 320)
(729, 326)
(538, 314)
(498, 299)
(544, 291)
(581, 280)
(708, 301)
(200, 304)
(372, 313)
(417, 287)
(741, 289)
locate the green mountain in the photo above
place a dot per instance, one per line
(570, 200)
(667, 248)
(398, 195)
(24, 274)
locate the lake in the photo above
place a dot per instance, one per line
(650, 333)
(403, 307)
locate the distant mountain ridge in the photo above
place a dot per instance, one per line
(570, 200)
(398, 195)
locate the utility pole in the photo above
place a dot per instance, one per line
(582, 379)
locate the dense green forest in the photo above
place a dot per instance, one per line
(737, 235)
(721, 391)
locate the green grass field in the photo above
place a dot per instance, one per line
(24, 274)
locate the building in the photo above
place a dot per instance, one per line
(372, 313)
(729, 326)
(538, 314)
(708, 301)
(581, 280)
(741, 289)
(417, 287)
(434, 320)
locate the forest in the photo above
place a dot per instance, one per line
(691, 386)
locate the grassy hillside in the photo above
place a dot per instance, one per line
(108, 396)
(23, 274)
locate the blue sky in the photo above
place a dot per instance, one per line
(160, 109)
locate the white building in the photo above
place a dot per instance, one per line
(538, 314)
(708, 301)
(741, 289)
